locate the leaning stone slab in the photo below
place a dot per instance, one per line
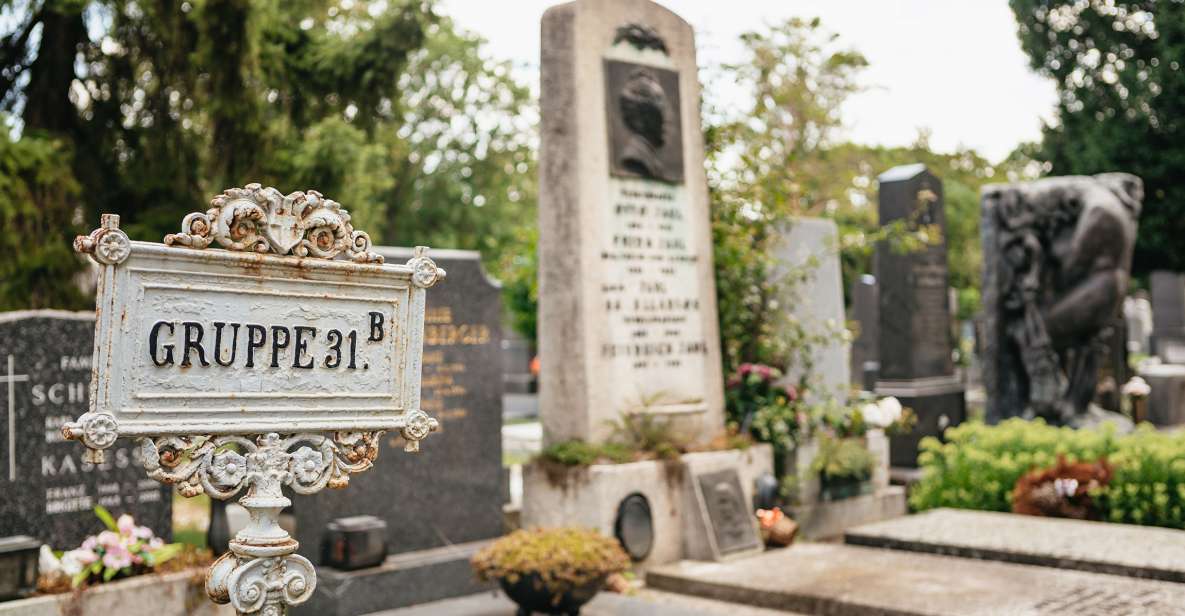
(147, 595)
(843, 580)
(1100, 547)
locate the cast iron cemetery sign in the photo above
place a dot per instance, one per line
(278, 361)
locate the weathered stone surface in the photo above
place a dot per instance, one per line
(170, 594)
(589, 497)
(843, 580)
(1100, 547)
(817, 303)
(829, 519)
(450, 492)
(1057, 258)
(49, 492)
(627, 301)
(644, 602)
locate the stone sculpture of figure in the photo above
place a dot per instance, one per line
(1057, 257)
(644, 111)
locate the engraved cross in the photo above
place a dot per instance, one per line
(11, 379)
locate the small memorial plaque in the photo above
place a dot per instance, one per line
(733, 525)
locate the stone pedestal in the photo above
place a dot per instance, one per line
(1168, 316)
(1166, 403)
(589, 496)
(938, 403)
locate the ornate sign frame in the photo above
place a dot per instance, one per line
(258, 431)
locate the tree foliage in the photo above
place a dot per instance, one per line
(1121, 102)
(387, 108)
(783, 157)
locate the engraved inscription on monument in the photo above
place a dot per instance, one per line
(724, 501)
(653, 336)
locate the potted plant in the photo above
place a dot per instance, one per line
(844, 466)
(550, 571)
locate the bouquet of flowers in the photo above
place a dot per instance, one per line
(123, 550)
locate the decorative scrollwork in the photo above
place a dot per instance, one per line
(257, 219)
(222, 466)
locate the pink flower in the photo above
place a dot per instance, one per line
(745, 369)
(142, 532)
(764, 371)
(90, 543)
(117, 558)
(155, 543)
(108, 539)
(791, 392)
(126, 524)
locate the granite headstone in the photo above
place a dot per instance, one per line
(450, 492)
(1168, 316)
(815, 302)
(49, 492)
(627, 292)
(865, 313)
(915, 318)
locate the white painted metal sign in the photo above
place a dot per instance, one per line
(231, 365)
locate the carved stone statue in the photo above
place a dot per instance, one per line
(1057, 259)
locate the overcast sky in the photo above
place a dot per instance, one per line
(952, 66)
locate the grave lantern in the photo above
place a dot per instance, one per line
(275, 361)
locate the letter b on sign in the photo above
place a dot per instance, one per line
(376, 326)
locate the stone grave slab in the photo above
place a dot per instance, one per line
(49, 492)
(844, 580)
(865, 347)
(817, 304)
(626, 284)
(1117, 549)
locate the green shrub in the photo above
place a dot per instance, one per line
(843, 458)
(563, 558)
(979, 465)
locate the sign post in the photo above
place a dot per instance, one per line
(277, 361)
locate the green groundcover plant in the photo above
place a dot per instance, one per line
(562, 558)
(979, 465)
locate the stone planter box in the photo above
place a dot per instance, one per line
(588, 496)
(174, 594)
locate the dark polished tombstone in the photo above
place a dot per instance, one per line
(865, 348)
(914, 349)
(437, 503)
(1057, 256)
(1168, 316)
(49, 492)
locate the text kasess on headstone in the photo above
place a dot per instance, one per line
(257, 345)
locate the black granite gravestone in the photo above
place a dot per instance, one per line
(1168, 316)
(914, 325)
(451, 492)
(49, 492)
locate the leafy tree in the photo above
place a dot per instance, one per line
(1121, 103)
(387, 108)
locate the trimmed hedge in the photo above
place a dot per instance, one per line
(979, 465)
